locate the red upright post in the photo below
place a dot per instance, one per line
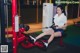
(14, 12)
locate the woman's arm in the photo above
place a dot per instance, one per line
(64, 27)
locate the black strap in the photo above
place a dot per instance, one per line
(53, 21)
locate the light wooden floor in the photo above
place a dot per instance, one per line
(35, 27)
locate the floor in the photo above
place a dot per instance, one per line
(54, 47)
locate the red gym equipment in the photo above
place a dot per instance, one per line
(18, 35)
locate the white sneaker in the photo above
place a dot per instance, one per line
(33, 38)
(46, 44)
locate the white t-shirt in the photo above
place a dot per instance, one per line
(60, 20)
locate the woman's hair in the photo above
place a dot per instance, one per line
(62, 8)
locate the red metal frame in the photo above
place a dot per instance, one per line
(14, 12)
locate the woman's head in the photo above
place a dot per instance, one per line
(60, 10)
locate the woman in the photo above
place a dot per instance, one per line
(60, 23)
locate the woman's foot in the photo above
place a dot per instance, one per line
(33, 39)
(41, 44)
(45, 44)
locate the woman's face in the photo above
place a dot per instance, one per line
(59, 11)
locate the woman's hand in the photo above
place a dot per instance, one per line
(63, 27)
(57, 27)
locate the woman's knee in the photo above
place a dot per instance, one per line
(60, 34)
(49, 32)
(57, 34)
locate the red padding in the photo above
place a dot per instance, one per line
(27, 44)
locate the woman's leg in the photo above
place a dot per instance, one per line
(56, 34)
(51, 38)
(49, 32)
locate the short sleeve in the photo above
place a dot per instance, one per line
(55, 16)
(65, 19)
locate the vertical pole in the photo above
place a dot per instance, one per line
(40, 2)
(27, 2)
(37, 12)
(14, 12)
(79, 9)
(19, 12)
(3, 40)
(19, 7)
(50, 1)
(33, 2)
(46, 1)
(6, 14)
